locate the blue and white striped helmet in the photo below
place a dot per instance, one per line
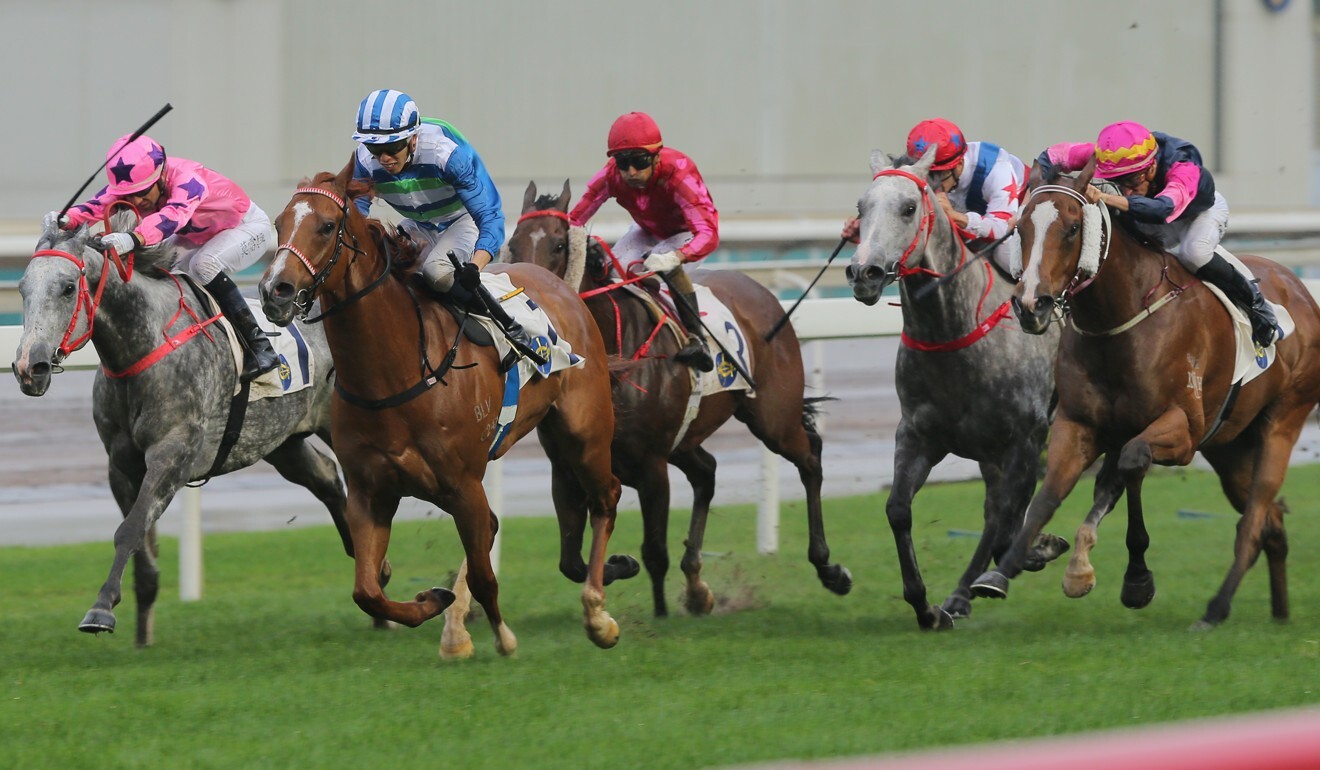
(386, 116)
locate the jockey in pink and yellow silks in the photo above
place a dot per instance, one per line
(207, 222)
(674, 218)
(1170, 194)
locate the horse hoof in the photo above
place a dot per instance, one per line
(457, 650)
(97, 621)
(441, 596)
(956, 607)
(1078, 584)
(699, 600)
(990, 585)
(943, 620)
(1046, 549)
(603, 635)
(620, 567)
(1137, 594)
(837, 579)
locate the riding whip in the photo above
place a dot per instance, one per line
(780, 323)
(151, 122)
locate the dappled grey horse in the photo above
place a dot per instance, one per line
(161, 426)
(970, 382)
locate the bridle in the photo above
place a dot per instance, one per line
(303, 299)
(924, 228)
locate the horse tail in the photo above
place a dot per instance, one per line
(811, 410)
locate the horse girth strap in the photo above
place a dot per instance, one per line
(1142, 315)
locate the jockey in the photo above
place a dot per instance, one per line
(208, 224)
(428, 172)
(674, 218)
(1172, 196)
(978, 184)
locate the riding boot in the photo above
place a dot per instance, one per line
(694, 352)
(1244, 293)
(486, 304)
(260, 355)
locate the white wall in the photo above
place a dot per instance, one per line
(780, 102)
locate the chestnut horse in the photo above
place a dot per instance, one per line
(397, 434)
(1144, 374)
(651, 396)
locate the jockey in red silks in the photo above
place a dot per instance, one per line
(674, 218)
(978, 184)
(1171, 196)
(207, 222)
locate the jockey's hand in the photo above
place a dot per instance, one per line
(1093, 194)
(53, 218)
(468, 275)
(663, 261)
(852, 230)
(481, 258)
(122, 243)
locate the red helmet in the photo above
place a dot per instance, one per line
(634, 131)
(948, 138)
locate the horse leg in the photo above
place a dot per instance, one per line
(653, 491)
(165, 470)
(146, 575)
(476, 525)
(1251, 478)
(369, 514)
(698, 466)
(455, 641)
(912, 465)
(1072, 450)
(1079, 578)
(301, 463)
(996, 537)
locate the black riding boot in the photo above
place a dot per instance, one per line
(260, 356)
(1245, 294)
(694, 352)
(486, 304)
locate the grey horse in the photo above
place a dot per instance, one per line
(161, 427)
(970, 382)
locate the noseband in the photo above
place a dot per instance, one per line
(1084, 274)
(303, 299)
(924, 228)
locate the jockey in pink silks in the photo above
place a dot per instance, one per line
(208, 224)
(674, 218)
(1171, 196)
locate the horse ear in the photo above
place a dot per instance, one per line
(564, 198)
(1034, 179)
(529, 197)
(345, 175)
(922, 167)
(880, 161)
(1084, 178)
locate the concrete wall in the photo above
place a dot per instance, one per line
(779, 102)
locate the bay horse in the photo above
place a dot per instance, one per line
(968, 383)
(161, 398)
(406, 426)
(651, 395)
(1145, 376)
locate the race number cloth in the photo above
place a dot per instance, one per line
(297, 366)
(1251, 360)
(557, 350)
(719, 321)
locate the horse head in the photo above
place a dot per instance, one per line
(544, 236)
(896, 223)
(312, 231)
(1061, 236)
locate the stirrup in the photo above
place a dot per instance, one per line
(523, 344)
(695, 354)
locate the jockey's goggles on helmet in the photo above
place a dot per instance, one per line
(637, 160)
(1130, 181)
(389, 148)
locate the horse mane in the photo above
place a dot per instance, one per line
(385, 236)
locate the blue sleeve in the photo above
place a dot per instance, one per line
(1153, 210)
(362, 202)
(468, 175)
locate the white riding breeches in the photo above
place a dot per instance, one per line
(1197, 238)
(636, 244)
(460, 237)
(229, 251)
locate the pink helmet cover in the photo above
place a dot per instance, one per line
(1123, 148)
(133, 166)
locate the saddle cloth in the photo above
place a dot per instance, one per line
(1251, 360)
(297, 367)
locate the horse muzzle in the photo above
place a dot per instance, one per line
(33, 378)
(1034, 317)
(278, 301)
(867, 281)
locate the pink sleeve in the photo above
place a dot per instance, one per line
(598, 191)
(181, 202)
(1180, 187)
(693, 199)
(88, 210)
(1071, 156)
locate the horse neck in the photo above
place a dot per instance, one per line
(1130, 279)
(134, 317)
(951, 310)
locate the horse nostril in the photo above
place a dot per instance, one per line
(283, 290)
(850, 272)
(874, 273)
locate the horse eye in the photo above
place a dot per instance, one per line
(69, 289)
(1072, 231)
(909, 209)
(560, 246)
(327, 228)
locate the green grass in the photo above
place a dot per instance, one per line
(277, 667)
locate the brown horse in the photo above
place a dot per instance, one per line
(1144, 374)
(651, 395)
(397, 434)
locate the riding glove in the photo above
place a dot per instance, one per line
(663, 261)
(122, 243)
(49, 221)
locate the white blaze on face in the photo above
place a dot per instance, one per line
(301, 210)
(1042, 218)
